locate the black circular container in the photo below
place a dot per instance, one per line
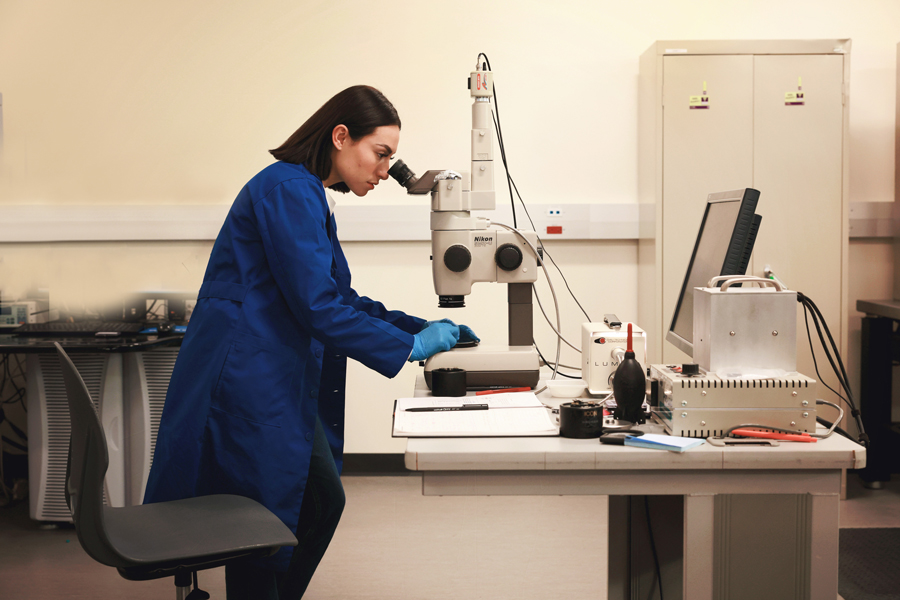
(448, 382)
(581, 419)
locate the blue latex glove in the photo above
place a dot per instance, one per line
(436, 337)
(429, 323)
(465, 332)
(467, 335)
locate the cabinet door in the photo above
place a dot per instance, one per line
(798, 170)
(705, 150)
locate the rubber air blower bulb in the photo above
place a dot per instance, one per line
(629, 386)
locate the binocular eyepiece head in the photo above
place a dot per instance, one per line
(403, 174)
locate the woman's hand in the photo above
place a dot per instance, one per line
(435, 337)
(465, 332)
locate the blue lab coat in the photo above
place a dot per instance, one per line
(266, 351)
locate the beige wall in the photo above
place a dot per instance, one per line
(170, 102)
(161, 103)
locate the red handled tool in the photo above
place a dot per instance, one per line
(507, 390)
(792, 437)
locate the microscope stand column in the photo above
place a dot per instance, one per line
(521, 310)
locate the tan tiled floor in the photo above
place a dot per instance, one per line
(395, 543)
(871, 508)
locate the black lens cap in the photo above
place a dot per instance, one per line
(617, 438)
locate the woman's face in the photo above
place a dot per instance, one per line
(362, 163)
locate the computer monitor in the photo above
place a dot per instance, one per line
(723, 247)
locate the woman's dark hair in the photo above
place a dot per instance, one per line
(361, 108)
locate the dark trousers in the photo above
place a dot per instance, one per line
(323, 503)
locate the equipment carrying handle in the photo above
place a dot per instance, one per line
(732, 279)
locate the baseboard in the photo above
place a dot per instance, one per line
(375, 464)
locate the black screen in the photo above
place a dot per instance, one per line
(723, 246)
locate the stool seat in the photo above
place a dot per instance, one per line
(158, 539)
(175, 538)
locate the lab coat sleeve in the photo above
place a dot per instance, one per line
(292, 224)
(373, 308)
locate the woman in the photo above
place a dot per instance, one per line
(255, 405)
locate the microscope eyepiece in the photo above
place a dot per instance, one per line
(403, 174)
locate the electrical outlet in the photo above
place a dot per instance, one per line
(554, 212)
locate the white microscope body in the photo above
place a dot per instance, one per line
(466, 249)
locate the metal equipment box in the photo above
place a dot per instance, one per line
(706, 404)
(745, 328)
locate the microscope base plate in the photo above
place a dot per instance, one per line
(490, 366)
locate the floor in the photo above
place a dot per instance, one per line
(395, 543)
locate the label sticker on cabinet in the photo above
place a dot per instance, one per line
(699, 102)
(797, 98)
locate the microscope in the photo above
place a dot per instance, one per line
(467, 249)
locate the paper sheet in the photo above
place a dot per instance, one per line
(515, 421)
(509, 414)
(507, 400)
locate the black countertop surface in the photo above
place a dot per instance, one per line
(16, 344)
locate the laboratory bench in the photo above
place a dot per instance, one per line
(707, 503)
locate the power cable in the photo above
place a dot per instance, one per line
(837, 365)
(653, 545)
(512, 186)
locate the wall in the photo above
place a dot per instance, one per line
(171, 103)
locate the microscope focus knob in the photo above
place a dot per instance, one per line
(457, 258)
(508, 257)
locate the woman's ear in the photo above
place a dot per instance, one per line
(339, 136)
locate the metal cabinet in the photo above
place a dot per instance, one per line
(128, 390)
(770, 115)
(49, 429)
